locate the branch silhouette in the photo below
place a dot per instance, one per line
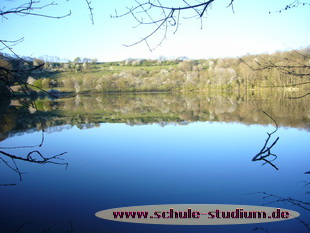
(295, 70)
(31, 8)
(91, 13)
(41, 159)
(292, 5)
(290, 68)
(304, 205)
(161, 17)
(265, 152)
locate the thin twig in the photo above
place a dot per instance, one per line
(265, 152)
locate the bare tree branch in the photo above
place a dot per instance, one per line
(91, 15)
(21, 226)
(287, 200)
(292, 5)
(31, 8)
(299, 97)
(158, 13)
(300, 70)
(265, 152)
(294, 202)
(30, 158)
(294, 70)
(163, 17)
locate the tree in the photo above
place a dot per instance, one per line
(77, 60)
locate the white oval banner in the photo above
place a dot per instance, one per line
(197, 214)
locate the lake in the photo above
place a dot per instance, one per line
(152, 149)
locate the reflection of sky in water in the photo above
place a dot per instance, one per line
(118, 165)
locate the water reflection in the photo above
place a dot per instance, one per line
(34, 156)
(89, 111)
(202, 156)
(265, 153)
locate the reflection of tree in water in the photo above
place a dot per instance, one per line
(164, 109)
(33, 155)
(265, 152)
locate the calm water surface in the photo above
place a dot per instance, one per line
(130, 150)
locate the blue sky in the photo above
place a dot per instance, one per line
(251, 29)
